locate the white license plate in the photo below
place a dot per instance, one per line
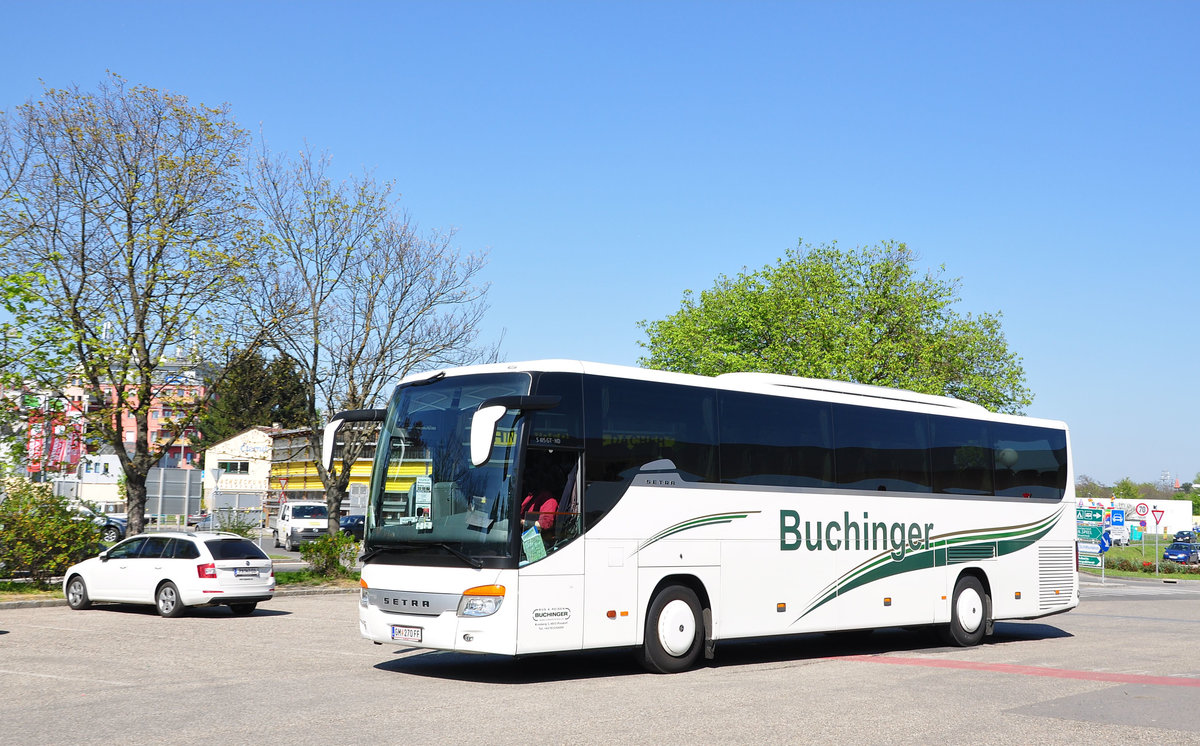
(406, 634)
(246, 572)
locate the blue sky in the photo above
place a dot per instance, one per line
(609, 156)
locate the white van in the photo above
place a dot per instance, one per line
(300, 521)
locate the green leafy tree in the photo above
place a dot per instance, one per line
(1085, 486)
(863, 315)
(34, 353)
(255, 391)
(1126, 490)
(129, 201)
(40, 536)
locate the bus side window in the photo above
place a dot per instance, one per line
(634, 423)
(551, 503)
(881, 449)
(961, 455)
(775, 441)
(1029, 461)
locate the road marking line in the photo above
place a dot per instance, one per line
(1054, 673)
(65, 678)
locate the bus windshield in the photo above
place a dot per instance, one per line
(426, 495)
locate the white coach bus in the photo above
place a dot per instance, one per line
(560, 505)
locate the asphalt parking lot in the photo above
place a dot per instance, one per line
(1119, 669)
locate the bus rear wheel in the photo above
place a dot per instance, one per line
(969, 610)
(674, 631)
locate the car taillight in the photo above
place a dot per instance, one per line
(206, 571)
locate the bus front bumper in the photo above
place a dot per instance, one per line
(447, 630)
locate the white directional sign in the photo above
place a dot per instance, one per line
(1088, 547)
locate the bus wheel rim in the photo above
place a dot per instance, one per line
(676, 628)
(970, 610)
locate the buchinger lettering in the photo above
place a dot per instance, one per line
(864, 535)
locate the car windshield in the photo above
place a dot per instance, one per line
(1179, 548)
(425, 491)
(310, 511)
(234, 549)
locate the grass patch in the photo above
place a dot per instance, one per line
(19, 590)
(1135, 555)
(1110, 572)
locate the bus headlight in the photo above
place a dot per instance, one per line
(483, 600)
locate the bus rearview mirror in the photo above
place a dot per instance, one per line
(483, 432)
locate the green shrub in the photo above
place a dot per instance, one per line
(331, 555)
(1127, 565)
(237, 522)
(40, 536)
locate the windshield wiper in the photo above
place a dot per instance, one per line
(407, 545)
(432, 379)
(473, 562)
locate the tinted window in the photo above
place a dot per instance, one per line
(234, 549)
(775, 441)
(1029, 461)
(309, 511)
(127, 549)
(634, 423)
(961, 456)
(561, 426)
(880, 449)
(154, 546)
(182, 549)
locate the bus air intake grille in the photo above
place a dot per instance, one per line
(1056, 576)
(972, 553)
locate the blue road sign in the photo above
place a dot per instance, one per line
(1118, 517)
(1105, 542)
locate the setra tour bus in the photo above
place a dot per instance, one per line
(561, 505)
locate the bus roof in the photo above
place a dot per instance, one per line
(768, 383)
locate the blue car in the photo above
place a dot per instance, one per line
(112, 529)
(353, 525)
(1184, 554)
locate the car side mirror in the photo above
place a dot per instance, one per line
(104, 556)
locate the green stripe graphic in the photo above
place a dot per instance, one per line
(1007, 539)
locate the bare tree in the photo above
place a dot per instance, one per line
(129, 201)
(368, 299)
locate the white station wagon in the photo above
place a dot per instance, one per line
(174, 570)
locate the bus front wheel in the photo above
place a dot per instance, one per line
(674, 631)
(969, 610)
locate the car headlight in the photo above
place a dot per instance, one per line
(483, 600)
